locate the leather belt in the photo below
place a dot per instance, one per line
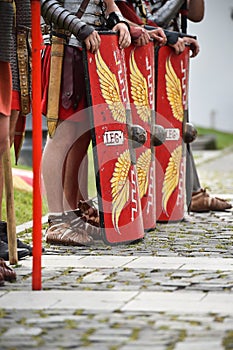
(23, 65)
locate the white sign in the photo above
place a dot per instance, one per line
(172, 134)
(113, 138)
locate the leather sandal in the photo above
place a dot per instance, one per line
(202, 202)
(61, 233)
(7, 272)
(76, 220)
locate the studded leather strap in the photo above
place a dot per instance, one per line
(23, 65)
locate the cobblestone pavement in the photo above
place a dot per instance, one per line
(172, 290)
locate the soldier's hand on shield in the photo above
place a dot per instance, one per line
(93, 42)
(124, 34)
(158, 35)
(140, 36)
(179, 46)
(194, 46)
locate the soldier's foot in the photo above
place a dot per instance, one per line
(7, 272)
(4, 251)
(20, 244)
(60, 232)
(202, 202)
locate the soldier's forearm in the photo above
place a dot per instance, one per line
(114, 15)
(166, 13)
(196, 10)
(111, 7)
(53, 12)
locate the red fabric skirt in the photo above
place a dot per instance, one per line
(70, 110)
(16, 103)
(5, 88)
(128, 12)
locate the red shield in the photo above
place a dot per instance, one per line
(140, 74)
(171, 103)
(114, 159)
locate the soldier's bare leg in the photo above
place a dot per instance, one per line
(13, 120)
(201, 201)
(75, 175)
(4, 134)
(82, 193)
(53, 163)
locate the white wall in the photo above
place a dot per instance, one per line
(211, 72)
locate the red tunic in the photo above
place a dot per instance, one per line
(78, 81)
(5, 88)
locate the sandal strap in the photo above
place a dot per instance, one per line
(82, 222)
(77, 223)
(52, 219)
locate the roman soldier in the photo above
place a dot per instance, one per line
(68, 122)
(21, 73)
(173, 15)
(15, 20)
(6, 23)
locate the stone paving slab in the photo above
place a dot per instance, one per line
(108, 261)
(191, 302)
(191, 263)
(145, 262)
(190, 344)
(39, 300)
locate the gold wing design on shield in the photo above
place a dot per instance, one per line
(143, 168)
(139, 90)
(174, 91)
(110, 89)
(171, 178)
(120, 186)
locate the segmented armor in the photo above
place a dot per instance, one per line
(21, 32)
(6, 24)
(63, 15)
(163, 13)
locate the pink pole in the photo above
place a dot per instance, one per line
(37, 144)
